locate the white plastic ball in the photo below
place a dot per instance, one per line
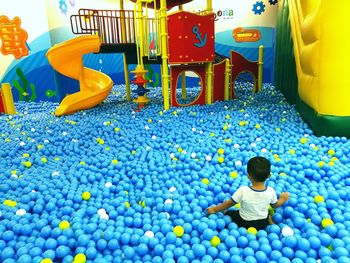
(56, 173)
(238, 163)
(287, 231)
(149, 234)
(168, 202)
(101, 211)
(172, 189)
(108, 184)
(104, 216)
(21, 212)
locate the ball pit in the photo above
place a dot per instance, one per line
(113, 185)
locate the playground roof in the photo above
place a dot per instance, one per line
(170, 3)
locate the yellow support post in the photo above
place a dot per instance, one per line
(183, 85)
(127, 78)
(209, 6)
(8, 98)
(164, 49)
(139, 30)
(209, 76)
(260, 67)
(227, 79)
(126, 69)
(122, 21)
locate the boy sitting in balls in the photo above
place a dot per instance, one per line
(254, 200)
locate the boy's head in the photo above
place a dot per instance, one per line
(259, 168)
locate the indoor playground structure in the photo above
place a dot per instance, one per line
(182, 40)
(106, 182)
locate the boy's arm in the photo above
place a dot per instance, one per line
(283, 198)
(221, 207)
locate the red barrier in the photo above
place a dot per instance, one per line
(175, 71)
(191, 38)
(2, 103)
(240, 64)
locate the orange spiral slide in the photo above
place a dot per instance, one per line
(67, 59)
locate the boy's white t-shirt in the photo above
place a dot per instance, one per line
(254, 203)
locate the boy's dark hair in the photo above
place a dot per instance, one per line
(259, 168)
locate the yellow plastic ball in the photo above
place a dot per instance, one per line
(331, 152)
(215, 241)
(127, 204)
(205, 181)
(10, 203)
(179, 231)
(233, 174)
(221, 159)
(303, 140)
(79, 258)
(114, 161)
(221, 151)
(212, 134)
(27, 164)
(257, 126)
(252, 230)
(46, 260)
(291, 151)
(86, 195)
(64, 225)
(179, 149)
(321, 163)
(327, 222)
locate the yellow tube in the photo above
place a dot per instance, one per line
(122, 19)
(8, 98)
(209, 76)
(209, 6)
(164, 48)
(260, 67)
(183, 85)
(127, 79)
(139, 31)
(227, 79)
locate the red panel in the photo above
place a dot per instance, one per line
(240, 64)
(2, 104)
(175, 71)
(219, 81)
(191, 38)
